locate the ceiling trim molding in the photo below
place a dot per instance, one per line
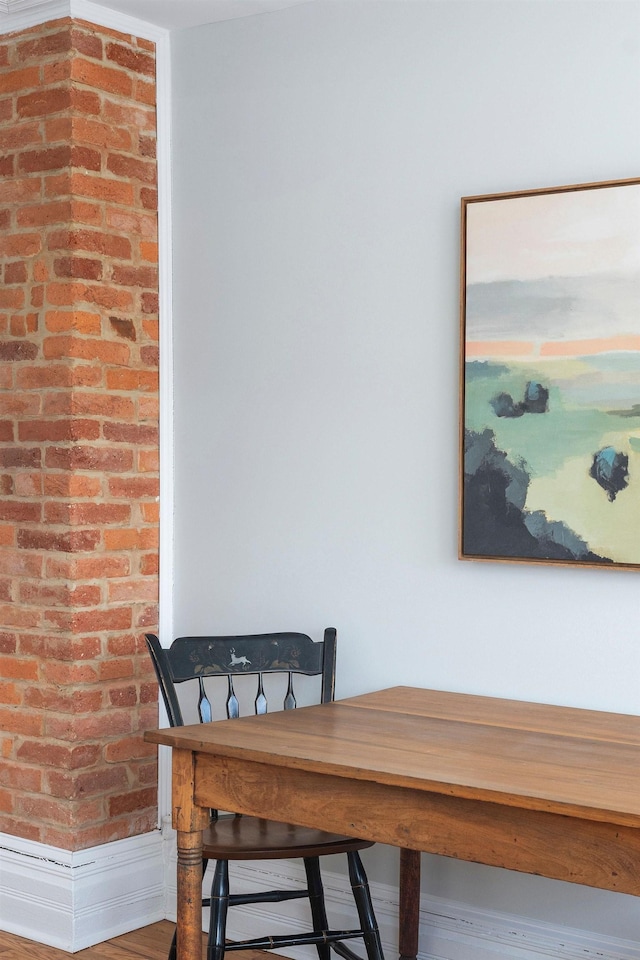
(21, 14)
(105, 17)
(17, 6)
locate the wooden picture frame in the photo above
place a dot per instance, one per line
(550, 376)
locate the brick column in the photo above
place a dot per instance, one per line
(78, 433)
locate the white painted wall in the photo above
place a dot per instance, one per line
(320, 154)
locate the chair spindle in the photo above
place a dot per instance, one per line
(233, 707)
(204, 704)
(261, 700)
(290, 700)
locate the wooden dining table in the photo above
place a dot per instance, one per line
(532, 787)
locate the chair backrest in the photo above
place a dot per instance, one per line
(199, 658)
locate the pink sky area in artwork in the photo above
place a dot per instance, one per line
(552, 348)
(574, 233)
(575, 251)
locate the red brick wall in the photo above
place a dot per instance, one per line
(78, 433)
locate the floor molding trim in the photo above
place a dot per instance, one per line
(75, 900)
(455, 931)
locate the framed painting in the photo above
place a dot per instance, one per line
(550, 376)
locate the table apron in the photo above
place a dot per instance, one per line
(589, 852)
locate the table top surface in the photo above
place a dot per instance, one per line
(580, 763)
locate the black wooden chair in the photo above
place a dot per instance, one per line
(221, 661)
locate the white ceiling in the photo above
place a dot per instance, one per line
(174, 14)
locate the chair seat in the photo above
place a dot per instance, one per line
(250, 838)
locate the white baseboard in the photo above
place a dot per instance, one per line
(448, 930)
(74, 900)
(455, 931)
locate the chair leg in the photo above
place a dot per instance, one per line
(173, 948)
(219, 908)
(362, 897)
(316, 901)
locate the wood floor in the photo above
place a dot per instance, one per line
(149, 943)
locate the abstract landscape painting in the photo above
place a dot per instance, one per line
(550, 432)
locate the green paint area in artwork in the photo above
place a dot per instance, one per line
(610, 528)
(542, 440)
(593, 403)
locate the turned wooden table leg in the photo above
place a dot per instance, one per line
(189, 820)
(189, 927)
(409, 910)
